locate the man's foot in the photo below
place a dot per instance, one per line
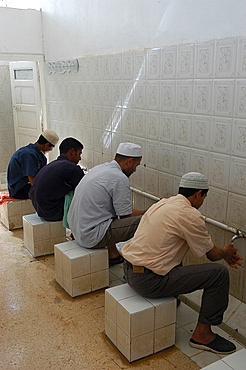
(218, 345)
(116, 260)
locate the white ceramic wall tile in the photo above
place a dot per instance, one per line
(151, 181)
(106, 118)
(139, 127)
(184, 96)
(166, 157)
(182, 160)
(87, 115)
(142, 143)
(139, 91)
(140, 61)
(116, 120)
(168, 62)
(128, 66)
(239, 138)
(97, 114)
(97, 140)
(168, 95)
(202, 96)
(183, 129)
(127, 121)
(106, 93)
(153, 95)
(116, 97)
(98, 93)
(200, 132)
(152, 154)
(167, 127)
(221, 130)
(223, 97)
(152, 125)
(238, 175)
(164, 338)
(225, 58)
(204, 60)
(105, 67)
(165, 185)
(240, 99)
(185, 61)
(236, 211)
(200, 161)
(219, 170)
(153, 63)
(217, 203)
(137, 178)
(241, 65)
(96, 68)
(127, 94)
(116, 66)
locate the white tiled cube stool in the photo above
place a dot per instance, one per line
(81, 270)
(138, 326)
(40, 236)
(12, 213)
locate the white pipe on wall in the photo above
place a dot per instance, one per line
(207, 219)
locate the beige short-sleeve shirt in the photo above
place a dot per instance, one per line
(165, 233)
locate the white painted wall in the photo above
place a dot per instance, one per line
(75, 28)
(20, 31)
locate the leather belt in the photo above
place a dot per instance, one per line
(137, 269)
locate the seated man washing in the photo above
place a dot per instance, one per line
(153, 259)
(58, 178)
(101, 213)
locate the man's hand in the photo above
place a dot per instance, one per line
(231, 256)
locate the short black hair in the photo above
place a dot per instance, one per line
(70, 143)
(188, 192)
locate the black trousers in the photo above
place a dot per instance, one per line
(23, 192)
(213, 278)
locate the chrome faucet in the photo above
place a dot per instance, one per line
(238, 235)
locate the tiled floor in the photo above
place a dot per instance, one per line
(186, 322)
(42, 327)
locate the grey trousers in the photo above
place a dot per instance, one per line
(213, 278)
(120, 230)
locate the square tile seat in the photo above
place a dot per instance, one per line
(11, 213)
(138, 326)
(81, 270)
(40, 236)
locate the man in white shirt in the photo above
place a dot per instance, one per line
(101, 213)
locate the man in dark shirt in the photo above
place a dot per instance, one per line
(26, 162)
(57, 179)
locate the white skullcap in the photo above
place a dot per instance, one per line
(129, 150)
(194, 180)
(51, 137)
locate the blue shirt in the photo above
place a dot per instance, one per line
(102, 195)
(26, 161)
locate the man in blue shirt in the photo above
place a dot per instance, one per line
(26, 162)
(57, 179)
(99, 215)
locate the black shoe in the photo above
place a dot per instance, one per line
(218, 345)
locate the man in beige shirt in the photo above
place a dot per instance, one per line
(153, 259)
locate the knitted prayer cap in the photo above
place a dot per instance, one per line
(194, 180)
(129, 150)
(51, 137)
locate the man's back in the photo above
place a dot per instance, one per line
(103, 194)
(26, 161)
(51, 185)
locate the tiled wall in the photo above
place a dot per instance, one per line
(185, 104)
(7, 140)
